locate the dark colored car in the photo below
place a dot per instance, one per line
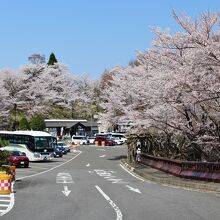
(106, 140)
(57, 152)
(18, 158)
(62, 149)
(63, 144)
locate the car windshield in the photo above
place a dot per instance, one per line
(60, 147)
(16, 153)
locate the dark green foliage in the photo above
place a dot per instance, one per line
(52, 59)
(24, 124)
(4, 160)
(59, 112)
(37, 123)
(4, 157)
(3, 142)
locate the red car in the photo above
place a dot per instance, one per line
(17, 158)
(107, 141)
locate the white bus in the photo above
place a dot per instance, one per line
(37, 145)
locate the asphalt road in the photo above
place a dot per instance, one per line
(91, 184)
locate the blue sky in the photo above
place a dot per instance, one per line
(88, 36)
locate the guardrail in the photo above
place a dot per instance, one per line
(208, 171)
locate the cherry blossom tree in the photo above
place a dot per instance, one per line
(173, 87)
(39, 88)
(10, 85)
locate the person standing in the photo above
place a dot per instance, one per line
(138, 155)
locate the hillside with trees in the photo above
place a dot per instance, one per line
(43, 89)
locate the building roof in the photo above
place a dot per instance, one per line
(54, 123)
(64, 120)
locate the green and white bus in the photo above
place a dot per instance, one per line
(37, 145)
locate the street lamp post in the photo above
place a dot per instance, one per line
(91, 125)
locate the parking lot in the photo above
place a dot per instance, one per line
(38, 167)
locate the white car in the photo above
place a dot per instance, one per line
(117, 140)
(77, 139)
(118, 136)
(91, 140)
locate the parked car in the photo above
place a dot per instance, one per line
(77, 139)
(91, 140)
(63, 144)
(17, 159)
(118, 136)
(107, 141)
(117, 140)
(57, 152)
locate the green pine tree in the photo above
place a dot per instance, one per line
(52, 59)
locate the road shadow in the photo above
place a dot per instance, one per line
(120, 157)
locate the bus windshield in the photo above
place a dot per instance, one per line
(41, 143)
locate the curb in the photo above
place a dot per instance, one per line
(184, 183)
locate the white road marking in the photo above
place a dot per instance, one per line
(88, 165)
(53, 168)
(108, 175)
(66, 192)
(133, 189)
(120, 181)
(9, 198)
(101, 149)
(64, 178)
(114, 206)
(103, 155)
(131, 173)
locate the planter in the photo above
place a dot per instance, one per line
(12, 171)
(5, 182)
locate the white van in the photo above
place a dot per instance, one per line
(77, 139)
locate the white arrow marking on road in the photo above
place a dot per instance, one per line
(88, 165)
(102, 155)
(66, 192)
(133, 189)
(90, 171)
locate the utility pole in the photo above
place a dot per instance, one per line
(15, 117)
